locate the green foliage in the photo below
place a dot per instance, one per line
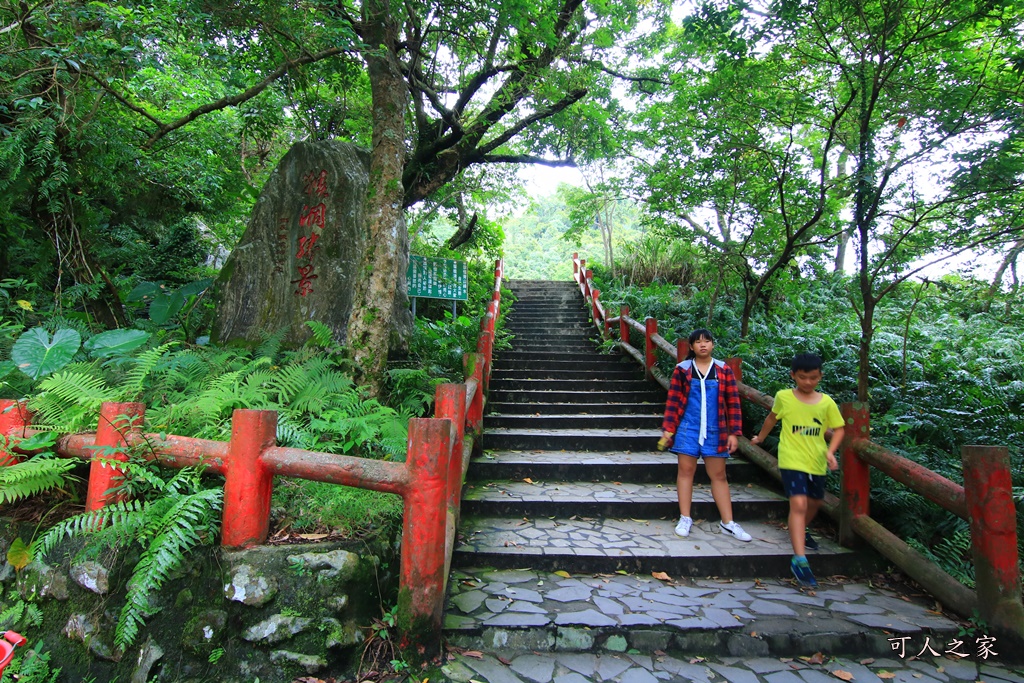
(21, 616)
(176, 516)
(32, 667)
(37, 355)
(33, 476)
(318, 507)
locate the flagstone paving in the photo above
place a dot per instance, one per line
(612, 667)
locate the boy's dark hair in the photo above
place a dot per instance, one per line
(806, 362)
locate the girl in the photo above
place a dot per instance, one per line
(706, 426)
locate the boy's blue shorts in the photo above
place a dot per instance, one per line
(796, 483)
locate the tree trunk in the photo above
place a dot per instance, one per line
(369, 326)
(606, 237)
(997, 280)
(844, 240)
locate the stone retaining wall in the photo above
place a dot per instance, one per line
(272, 613)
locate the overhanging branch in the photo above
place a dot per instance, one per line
(248, 94)
(526, 159)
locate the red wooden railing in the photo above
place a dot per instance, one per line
(429, 481)
(985, 500)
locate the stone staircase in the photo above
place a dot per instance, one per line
(566, 541)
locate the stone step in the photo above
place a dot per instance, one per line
(597, 439)
(537, 315)
(581, 384)
(589, 421)
(525, 396)
(562, 360)
(570, 346)
(547, 627)
(554, 342)
(561, 328)
(496, 407)
(622, 373)
(605, 545)
(616, 499)
(639, 467)
(544, 293)
(504, 366)
(546, 300)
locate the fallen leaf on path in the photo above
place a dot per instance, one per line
(885, 674)
(845, 675)
(563, 573)
(661, 576)
(475, 654)
(867, 661)
(528, 480)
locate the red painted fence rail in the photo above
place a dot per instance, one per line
(985, 500)
(429, 481)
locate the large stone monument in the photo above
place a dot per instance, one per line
(301, 251)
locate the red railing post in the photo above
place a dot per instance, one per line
(116, 420)
(993, 518)
(484, 347)
(735, 364)
(421, 581)
(450, 403)
(683, 350)
(14, 416)
(650, 349)
(855, 487)
(473, 364)
(623, 324)
(598, 322)
(248, 481)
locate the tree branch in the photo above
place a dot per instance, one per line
(527, 159)
(539, 115)
(618, 74)
(248, 94)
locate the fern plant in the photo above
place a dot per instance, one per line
(31, 477)
(177, 515)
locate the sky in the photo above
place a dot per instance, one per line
(542, 181)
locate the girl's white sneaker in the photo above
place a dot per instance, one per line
(683, 527)
(736, 531)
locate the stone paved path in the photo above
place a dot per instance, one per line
(516, 610)
(640, 668)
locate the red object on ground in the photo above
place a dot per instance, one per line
(11, 640)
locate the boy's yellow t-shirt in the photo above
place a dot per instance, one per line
(803, 446)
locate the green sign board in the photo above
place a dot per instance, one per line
(437, 278)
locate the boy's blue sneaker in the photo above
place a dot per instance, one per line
(809, 542)
(802, 571)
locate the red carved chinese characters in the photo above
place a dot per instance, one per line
(311, 223)
(315, 185)
(306, 246)
(305, 281)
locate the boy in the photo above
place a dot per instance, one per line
(806, 414)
